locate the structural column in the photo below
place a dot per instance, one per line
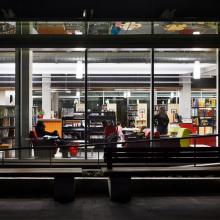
(46, 96)
(185, 98)
(217, 95)
(55, 101)
(23, 99)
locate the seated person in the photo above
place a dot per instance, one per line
(41, 132)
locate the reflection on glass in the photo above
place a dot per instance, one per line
(7, 27)
(118, 28)
(60, 28)
(195, 28)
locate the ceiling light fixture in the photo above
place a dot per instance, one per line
(79, 70)
(128, 94)
(196, 33)
(196, 70)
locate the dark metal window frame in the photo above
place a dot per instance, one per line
(150, 41)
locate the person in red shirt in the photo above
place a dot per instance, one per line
(110, 133)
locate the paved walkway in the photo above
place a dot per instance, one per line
(100, 208)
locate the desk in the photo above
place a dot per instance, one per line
(89, 148)
(5, 146)
(130, 129)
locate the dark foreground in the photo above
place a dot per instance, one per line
(101, 208)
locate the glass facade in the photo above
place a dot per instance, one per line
(75, 89)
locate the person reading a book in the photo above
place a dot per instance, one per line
(41, 132)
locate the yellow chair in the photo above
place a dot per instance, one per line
(184, 132)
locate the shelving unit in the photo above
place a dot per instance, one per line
(73, 127)
(132, 114)
(141, 119)
(95, 127)
(7, 125)
(204, 115)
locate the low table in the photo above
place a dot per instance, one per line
(89, 148)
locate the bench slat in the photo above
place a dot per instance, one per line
(49, 172)
(162, 171)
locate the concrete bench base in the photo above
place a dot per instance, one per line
(119, 188)
(64, 189)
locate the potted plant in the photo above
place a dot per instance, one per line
(41, 114)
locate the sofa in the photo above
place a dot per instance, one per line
(182, 133)
(160, 141)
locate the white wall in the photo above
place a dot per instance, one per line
(5, 97)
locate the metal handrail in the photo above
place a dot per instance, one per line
(101, 144)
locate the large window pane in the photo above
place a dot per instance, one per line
(118, 91)
(7, 27)
(58, 96)
(56, 28)
(185, 88)
(185, 28)
(7, 101)
(119, 28)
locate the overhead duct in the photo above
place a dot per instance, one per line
(117, 57)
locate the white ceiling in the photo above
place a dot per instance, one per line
(112, 68)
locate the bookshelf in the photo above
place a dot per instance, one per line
(95, 127)
(204, 115)
(7, 125)
(73, 127)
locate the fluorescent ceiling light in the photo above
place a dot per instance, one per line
(79, 70)
(196, 33)
(128, 94)
(196, 70)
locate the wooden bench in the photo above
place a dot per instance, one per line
(63, 179)
(124, 163)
